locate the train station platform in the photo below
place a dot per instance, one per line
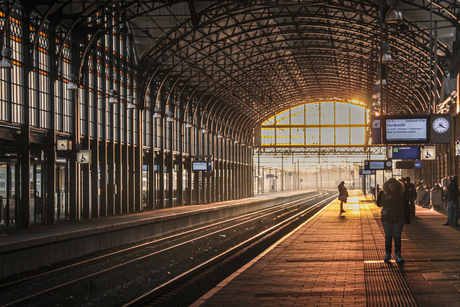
(337, 260)
(24, 249)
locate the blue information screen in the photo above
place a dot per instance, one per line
(405, 152)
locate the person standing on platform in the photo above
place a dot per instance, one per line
(395, 212)
(452, 202)
(343, 195)
(1, 209)
(411, 194)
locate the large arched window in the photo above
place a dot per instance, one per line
(324, 123)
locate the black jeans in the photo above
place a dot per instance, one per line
(452, 211)
(393, 230)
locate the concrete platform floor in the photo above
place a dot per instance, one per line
(336, 260)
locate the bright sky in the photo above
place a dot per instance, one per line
(322, 123)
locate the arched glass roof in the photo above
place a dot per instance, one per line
(245, 61)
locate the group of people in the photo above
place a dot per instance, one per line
(397, 200)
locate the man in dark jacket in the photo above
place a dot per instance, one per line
(394, 214)
(411, 195)
(452, 202)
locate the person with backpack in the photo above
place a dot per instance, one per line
(395, 213)
(343, 195)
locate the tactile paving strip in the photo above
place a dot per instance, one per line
(385, 285)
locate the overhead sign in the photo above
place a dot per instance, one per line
(428, 153)
(412, 129)
(403, 152)
(84, 156)
(378, 165)
(366, 172)
(376, 131)
(202, 166)
(199, 165)
(405, 164)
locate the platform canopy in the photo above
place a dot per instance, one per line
(252, 59)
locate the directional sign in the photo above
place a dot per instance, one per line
(376, 132)
(429, 153)
(84, 156)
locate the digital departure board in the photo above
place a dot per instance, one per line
(406, 129)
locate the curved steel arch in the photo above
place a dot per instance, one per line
(171, 43)
(220, 43)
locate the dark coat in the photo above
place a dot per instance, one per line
(342, 190)
(452, 191)
(409, 190)
(395, 206)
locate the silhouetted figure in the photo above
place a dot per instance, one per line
(343, 195)
(395, 212)
(1, 208)
(411, 195)
(452, 202)
(426, 197)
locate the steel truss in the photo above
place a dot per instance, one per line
(253, 59)
(206, 71)
(323, 150)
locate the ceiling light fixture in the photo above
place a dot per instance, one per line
(6, 61)
(393, 15)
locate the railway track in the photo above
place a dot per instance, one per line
(126, 276)
(172, 292)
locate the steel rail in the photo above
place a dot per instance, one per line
(249, 217)
(143, 245)
(194, 271)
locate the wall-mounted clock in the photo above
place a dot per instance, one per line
(62, 144)
(441, 125)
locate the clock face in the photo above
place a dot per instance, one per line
(441, 125)
(62, 145)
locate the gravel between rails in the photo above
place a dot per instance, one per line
(125, 284)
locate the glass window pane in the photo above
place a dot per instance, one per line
(297, 136)
(283, 118)
(327, 113)
(268, 136)
(342, 136)
(312, 135)
(269, 122)
(357, 115)
(282, 137)
(297, 115)
(357, 136)
(312, 113)
(327, 136)
(342, 116)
